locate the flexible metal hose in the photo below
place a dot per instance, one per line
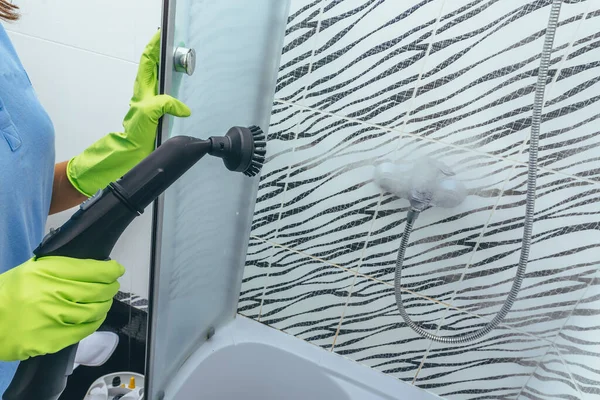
(529, 206)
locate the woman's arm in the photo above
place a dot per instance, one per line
(64, 195)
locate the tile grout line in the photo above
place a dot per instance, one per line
(503, 325)
(364, 249)
(466, 267)
(420, 77)
(69, 46)
(430, 140)
(287, 174)
(277, 225)
(515, 163)
(356, 274)
(596, 275)
(569, 47)
(350, 271)
(401, 133)
(448, 306)
(564, 364)
(437, 332)
(309, 256)
(549, 87)
(313, 51)
(484, 229)
(424, 359)
(339, 327)
(537, 366)
(264, 289)
(289, 167)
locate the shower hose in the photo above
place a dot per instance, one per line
(529, 207)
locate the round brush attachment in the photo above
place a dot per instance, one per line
(242, 149)
(258, 152)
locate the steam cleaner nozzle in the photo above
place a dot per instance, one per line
(94, 229)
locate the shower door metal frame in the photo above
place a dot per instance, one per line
(164, 87)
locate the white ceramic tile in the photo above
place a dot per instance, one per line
(551, 380)
(496, 366)
(280, 147)
(570, 142)
(298, 47)
(146, 20)
(305, 297)
(256, 272)
(563, 259)
(571, 27)
(476, 92)
(369, 56)
(443, 240)
(374, 334)
(99, 26)
(82, 109)
(330, 199)
(478, 82)
(579, 344)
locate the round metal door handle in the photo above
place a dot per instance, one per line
(184, 60)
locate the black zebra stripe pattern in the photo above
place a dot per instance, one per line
(579, 345)
(367, 81)
(551, 380)
(134, 300)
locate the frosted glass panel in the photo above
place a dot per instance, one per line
(207, 213)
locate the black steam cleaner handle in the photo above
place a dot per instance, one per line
(93, 230)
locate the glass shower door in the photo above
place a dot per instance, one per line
(202, 223)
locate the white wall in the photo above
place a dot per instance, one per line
(82, 58)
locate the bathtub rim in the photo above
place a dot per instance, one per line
(243, 330)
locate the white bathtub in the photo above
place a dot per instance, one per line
(248, 360)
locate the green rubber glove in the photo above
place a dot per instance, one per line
(53, 302)
(116, 153)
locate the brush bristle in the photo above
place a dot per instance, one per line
(258, 156)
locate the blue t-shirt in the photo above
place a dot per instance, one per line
(26, 169)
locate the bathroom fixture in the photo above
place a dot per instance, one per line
(423, 188)
(184, 60)
(252, 361)
(94, 229)
(426, 183)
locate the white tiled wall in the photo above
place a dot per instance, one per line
(82, 58)
(365, 81)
